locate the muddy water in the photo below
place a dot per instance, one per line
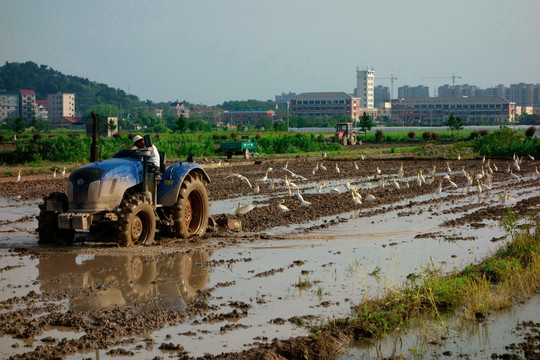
(343, 264)
(313, 271)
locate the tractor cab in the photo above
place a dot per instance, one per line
(345, 133)
(344, 128)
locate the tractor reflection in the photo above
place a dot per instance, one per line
(101, 281)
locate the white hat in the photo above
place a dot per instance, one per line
(135, 139)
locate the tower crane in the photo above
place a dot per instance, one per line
(391, 78)
(453, 77)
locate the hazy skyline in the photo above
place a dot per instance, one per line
(208, 52)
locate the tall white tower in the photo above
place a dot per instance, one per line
(365, 85)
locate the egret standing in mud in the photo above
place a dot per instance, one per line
(282, 206)
(356, 199)
(18, 179)
(241, 210)
(371, 198)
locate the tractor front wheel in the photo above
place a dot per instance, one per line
(353, 139)
(190, 213)
(344, 140)
(136, 223)
(48, 230)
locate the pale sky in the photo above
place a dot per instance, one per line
(208, 52)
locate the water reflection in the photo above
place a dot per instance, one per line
(101, 281)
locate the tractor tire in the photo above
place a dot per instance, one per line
(48, 230)
(136, 223)
(229, 154)
(353, 139)
(344, 140)
(246, 154)
(190, 213)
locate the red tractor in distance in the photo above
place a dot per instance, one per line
(345, 134)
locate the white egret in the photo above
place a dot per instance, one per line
(396, 185)
(282, 206)
(241, 210)
(453, 184)
(18, 179)
(356, 166)
(514, 175)
(371, 198)
(64, 172)
(54, 174)
(241, 177)
(438, 190)
(355, 199)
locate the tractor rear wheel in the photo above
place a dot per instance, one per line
(190, 213)
(136, 223)
(48, 230)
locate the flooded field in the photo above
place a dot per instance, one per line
(236, 290)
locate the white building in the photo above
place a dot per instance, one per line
(60, 105)
(365, 85)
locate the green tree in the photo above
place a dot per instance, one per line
(181, 124)
(458, 125)
(451, 123)
(111, 125)
(365, 123)
(18, 125)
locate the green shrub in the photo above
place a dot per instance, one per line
(411, 135)
(426, 136)
(530, 132)
(379, 135)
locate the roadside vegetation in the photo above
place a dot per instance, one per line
(31, 148)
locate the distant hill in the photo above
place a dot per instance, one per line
(45, 80)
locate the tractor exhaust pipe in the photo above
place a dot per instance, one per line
(94, 146)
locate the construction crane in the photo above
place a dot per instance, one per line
(391, 78)
(453, 77)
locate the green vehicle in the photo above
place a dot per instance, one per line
(245, 145)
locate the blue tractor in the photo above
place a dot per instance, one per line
(129, 199)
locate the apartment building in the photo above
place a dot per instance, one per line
(365, 84)
(9, 105)
(60, 105)
(435, 111)
(406, 92)
(320, 104)
(381, 95)
(27, 105)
